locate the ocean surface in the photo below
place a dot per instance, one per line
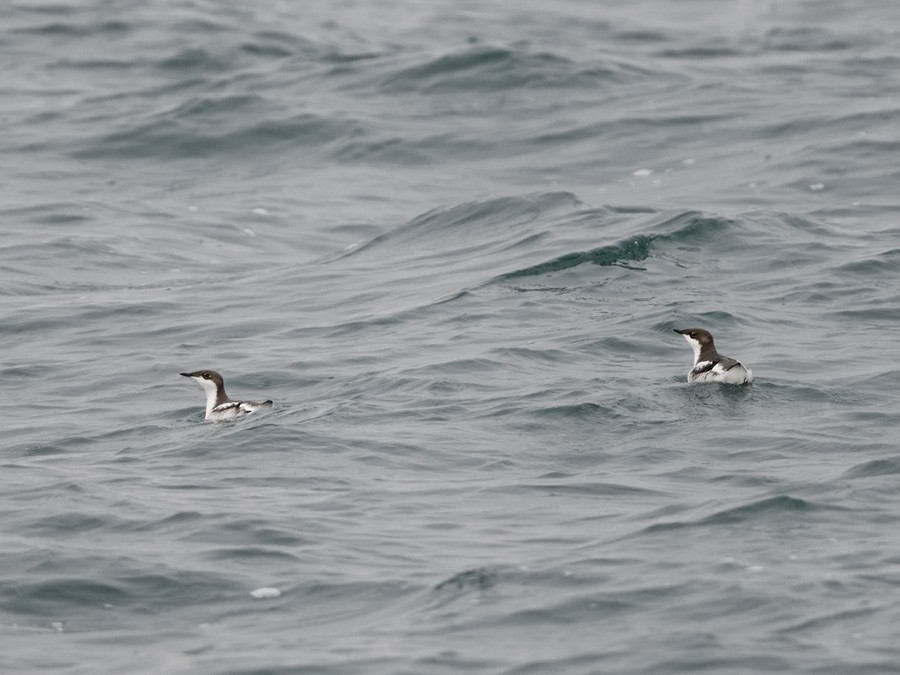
(451, 241)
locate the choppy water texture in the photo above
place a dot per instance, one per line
(451, 241)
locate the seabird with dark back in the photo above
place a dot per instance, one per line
(219, 407)
(709, 365)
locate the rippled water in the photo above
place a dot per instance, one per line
(451, 241)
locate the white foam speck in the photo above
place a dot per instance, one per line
(250, 232)
(756, 568)
(688, 162)
(642, 172)
(261, 212)
(266, 593)
(817, 187)
(192, 208)
(57, 626)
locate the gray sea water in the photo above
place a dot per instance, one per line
(451, 241)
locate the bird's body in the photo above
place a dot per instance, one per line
(219, 407)
(709, 365)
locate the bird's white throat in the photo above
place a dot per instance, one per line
(695, 345)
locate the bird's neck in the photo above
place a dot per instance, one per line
(215, 395)
(706, 353)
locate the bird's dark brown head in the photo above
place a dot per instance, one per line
(703, 337)
(701, 341)
(209, 375)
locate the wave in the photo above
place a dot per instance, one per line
(209, 126)
(766, 509)
(492, 69)
(876, 467)
(634, 249)
(680, 229)
(470, 224)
